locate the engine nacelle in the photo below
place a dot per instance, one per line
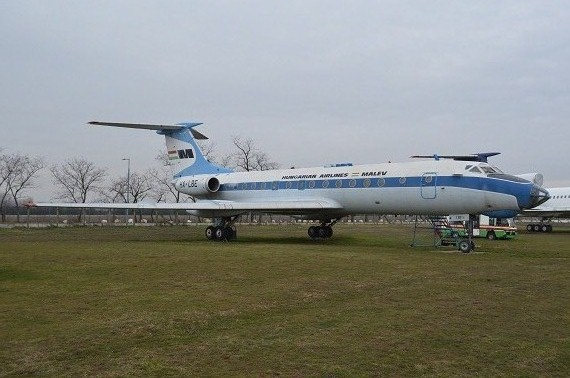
(198, 185)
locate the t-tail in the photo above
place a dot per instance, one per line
(184, 154)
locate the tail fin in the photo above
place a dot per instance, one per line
(185, 155)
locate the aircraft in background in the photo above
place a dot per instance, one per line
(437, 186)
(558, 206)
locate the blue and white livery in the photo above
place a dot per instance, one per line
(436, 186)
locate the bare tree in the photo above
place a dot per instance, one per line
(138, 188)
(261, 162)
(208, 150)
(163, 189)
(77, 179)
(249, 158)
(6, 171)
(22, 170)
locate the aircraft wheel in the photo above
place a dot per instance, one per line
(536, 228)
(529, 227)
(464, 246)
(220, 233)
(210, 232)
(549, 228)
(544, 228)
(313, 232)
(491, 235)
(323, 232)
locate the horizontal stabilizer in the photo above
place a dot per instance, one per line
(146, 126)
(480, 157)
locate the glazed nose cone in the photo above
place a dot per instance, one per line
(538, 196)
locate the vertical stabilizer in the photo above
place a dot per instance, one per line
(184, 154)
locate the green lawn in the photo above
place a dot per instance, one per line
(161, 300)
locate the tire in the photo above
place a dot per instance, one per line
(529, 227)
(544, 228)
(210, 232)
(322, 232)
(549, 228)
(464, 246)
(313, 232)
(491, 235)
(536, 228)
(220, 233)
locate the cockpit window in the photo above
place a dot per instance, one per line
(487, 169)
(467, 167)
(497, 170)
(475, 169)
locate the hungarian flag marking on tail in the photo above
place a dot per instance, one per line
(172, 155)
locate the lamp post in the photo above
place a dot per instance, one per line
(128, 160)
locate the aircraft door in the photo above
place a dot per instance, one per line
(428, 186)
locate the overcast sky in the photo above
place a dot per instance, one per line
(313, 82)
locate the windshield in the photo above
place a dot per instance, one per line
(487, 169)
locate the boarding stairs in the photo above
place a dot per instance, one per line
(433, 231)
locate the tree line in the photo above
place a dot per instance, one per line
(79, 180)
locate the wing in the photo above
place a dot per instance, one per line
(212, 208)
(549, 213)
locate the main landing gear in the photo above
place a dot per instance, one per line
(324, 231)
(539, 227)
(222, 230)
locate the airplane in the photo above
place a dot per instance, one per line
(436, 186)
(558, 206)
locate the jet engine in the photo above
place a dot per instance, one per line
(198, 185)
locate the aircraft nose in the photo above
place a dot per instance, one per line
(538, 196)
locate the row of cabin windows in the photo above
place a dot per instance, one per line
(557, 197)
(325, 184)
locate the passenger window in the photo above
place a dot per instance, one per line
(311, 184)
(289, 185)
(338, 183)
(325, 184)
(367, 183)
(381, 182)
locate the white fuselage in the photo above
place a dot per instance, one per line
(430, 187)
(557, 206)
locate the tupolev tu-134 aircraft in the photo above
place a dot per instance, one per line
(439, 185)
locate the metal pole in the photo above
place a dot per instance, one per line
(128, 186)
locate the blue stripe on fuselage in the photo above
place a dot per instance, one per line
(520, 190)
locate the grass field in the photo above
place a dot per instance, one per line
(161, 300)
